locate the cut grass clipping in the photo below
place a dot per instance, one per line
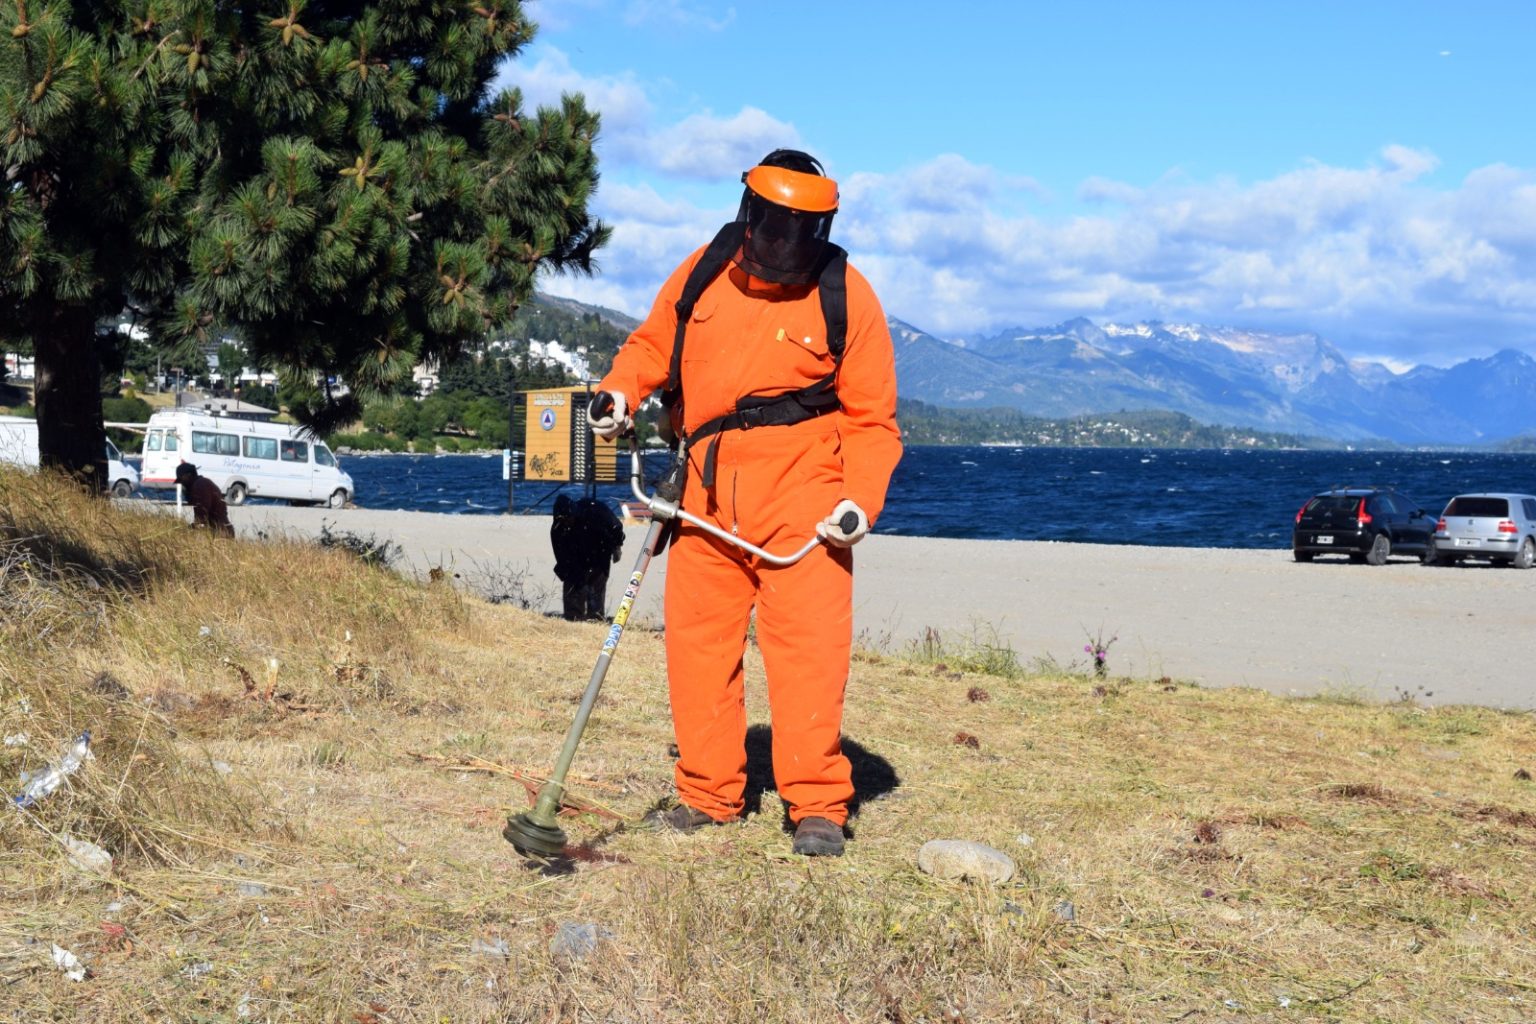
(302, 762)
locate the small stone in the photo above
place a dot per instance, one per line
(1024, 839)
(491, 947)
(251, 889)
(958, 858)
(577, 941)
(222, 767)
(1065, 910)
(197, 970)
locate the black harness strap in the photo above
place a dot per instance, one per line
(756, 411)
(753, 410)
(719, 252)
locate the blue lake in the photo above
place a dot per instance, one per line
(1168, 497)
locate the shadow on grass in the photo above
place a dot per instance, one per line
(873, 775)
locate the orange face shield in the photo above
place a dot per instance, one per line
(789, 219)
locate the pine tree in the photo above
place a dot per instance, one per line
(332, 178)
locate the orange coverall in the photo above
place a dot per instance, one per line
(772, 486)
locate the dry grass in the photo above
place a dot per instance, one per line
(317, 841)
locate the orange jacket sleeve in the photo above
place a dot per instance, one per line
(866, 387)
(644, 360)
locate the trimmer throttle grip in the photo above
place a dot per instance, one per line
(602, 405)
(848, 523)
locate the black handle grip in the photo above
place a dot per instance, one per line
(602, 405)
(848, 523)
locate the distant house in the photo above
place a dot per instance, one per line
(231, 407)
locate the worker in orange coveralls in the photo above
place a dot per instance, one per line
(785, 437)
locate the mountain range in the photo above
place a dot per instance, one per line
(1295, 383)
(1288, 383)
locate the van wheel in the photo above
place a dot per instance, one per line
(338, 498)
(1381, 547)
(1527, 555)
(122, 489)
(235, 493)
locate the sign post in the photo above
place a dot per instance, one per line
(558, 444)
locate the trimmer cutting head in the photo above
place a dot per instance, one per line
(532, 839)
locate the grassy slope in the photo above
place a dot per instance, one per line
(1227, 855)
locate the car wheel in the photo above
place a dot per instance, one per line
(1381, 547)
(235, 493)
(122, 489)
(1527, 556)
(1303, 556)
(338, 498)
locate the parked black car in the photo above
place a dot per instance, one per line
(1365, 523)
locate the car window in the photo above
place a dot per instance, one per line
(113, 455)
(1477, 506)
(172, 443)
(152, 441)
(1383, 505)
(1529, 504)
(1333, 503)
(261, 448)
(323, 455)
(208, 443)
(295, 451)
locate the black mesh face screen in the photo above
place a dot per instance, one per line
(783, 245)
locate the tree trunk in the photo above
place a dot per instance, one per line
(70, 435)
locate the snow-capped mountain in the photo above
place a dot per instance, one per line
(1299, 383)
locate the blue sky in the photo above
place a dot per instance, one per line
(1365, 170)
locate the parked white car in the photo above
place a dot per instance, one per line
(1500, 527)
(245, 458)
(18, 446)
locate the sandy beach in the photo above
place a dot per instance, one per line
(1211, 616)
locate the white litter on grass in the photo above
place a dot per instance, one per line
(37, 785)
(88, 856)
(17, 739)
(70, 964)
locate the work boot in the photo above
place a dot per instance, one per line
(681, 818)
(818, 837)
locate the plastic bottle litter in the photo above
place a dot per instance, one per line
(37, 785)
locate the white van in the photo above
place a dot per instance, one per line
(18, 446)
(246, 458)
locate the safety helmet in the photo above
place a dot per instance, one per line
(787, 205)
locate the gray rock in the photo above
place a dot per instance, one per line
(957, 858)
(577, 941)
(251, 889)
(1065, 910)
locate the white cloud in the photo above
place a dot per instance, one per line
(710, 148)
(1378, 258)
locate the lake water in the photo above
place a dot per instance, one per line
(1166, 497)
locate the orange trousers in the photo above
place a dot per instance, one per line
(773, 485)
